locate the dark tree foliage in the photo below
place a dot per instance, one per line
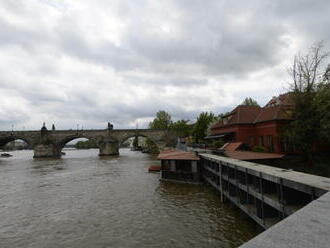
(323, 111)
(181, 128)
(250, 102)
(200, 128)
(310, 93)
(136, 141)
(88, 144)
(152, 147)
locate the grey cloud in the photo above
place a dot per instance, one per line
(181, 56)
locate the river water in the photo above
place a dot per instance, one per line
(82, 201)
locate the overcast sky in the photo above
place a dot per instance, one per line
(87, 62)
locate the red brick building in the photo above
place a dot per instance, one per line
(254, 125)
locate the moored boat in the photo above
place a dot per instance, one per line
(154, 168)
(6, 155)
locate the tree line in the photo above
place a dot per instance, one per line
(310, 89)
(199, 130)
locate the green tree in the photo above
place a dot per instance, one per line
(181, 128)
(308, 76)
(162, 121)
(136, 142)
(323, 106)
(88, 144)
(200, 128)
(152, 147)
(250, 102)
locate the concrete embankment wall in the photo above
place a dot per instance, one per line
(309, 227)
(267, 194)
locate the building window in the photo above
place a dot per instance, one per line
(261, 141)
(270, 143)
(251, 141)
(183, 165)
(287, 144)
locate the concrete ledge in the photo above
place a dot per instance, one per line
(179, 181)
(307, 228)
(273, 173)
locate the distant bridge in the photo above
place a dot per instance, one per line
(49, 143)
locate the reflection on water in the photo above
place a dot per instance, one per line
(82, 200)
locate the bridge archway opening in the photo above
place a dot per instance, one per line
(79, 143)
(14, 143)
(140, 142)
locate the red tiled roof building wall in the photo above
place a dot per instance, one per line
(254, 125)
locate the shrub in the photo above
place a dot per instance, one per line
(218, 143)
(259, 149)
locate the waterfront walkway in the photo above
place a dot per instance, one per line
(294, 207)
(309, 227)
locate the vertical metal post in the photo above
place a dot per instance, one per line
(220, 175)
(247, 185)
(236, 182)
(262, 199)
(313, 193)
(281, 196)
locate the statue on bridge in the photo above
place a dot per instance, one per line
(110, 126)
(44, 128)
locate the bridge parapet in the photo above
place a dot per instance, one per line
(49, 143)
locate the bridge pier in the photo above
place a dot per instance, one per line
(46, 151)
(109, 148)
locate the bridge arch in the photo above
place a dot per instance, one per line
(159, 145)
(70, 138)
(5, 140)
(125, 138)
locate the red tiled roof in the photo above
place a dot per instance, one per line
(284, 99)
(244, 114)
(247, 155)
(232, 146)
(240, 115)
(278, 108)
(177, 155)
(279, 112)
(218, 124)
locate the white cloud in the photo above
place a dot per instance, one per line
(89, 62)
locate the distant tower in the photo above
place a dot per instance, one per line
(53, 127)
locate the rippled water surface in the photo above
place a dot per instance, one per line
(82, 200)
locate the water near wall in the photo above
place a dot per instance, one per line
(82, 200)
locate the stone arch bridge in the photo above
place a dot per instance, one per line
(49, 143)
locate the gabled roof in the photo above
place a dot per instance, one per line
(284, 99)
(278, 108)
(242, 114)
(275, 113)
(231, 146)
